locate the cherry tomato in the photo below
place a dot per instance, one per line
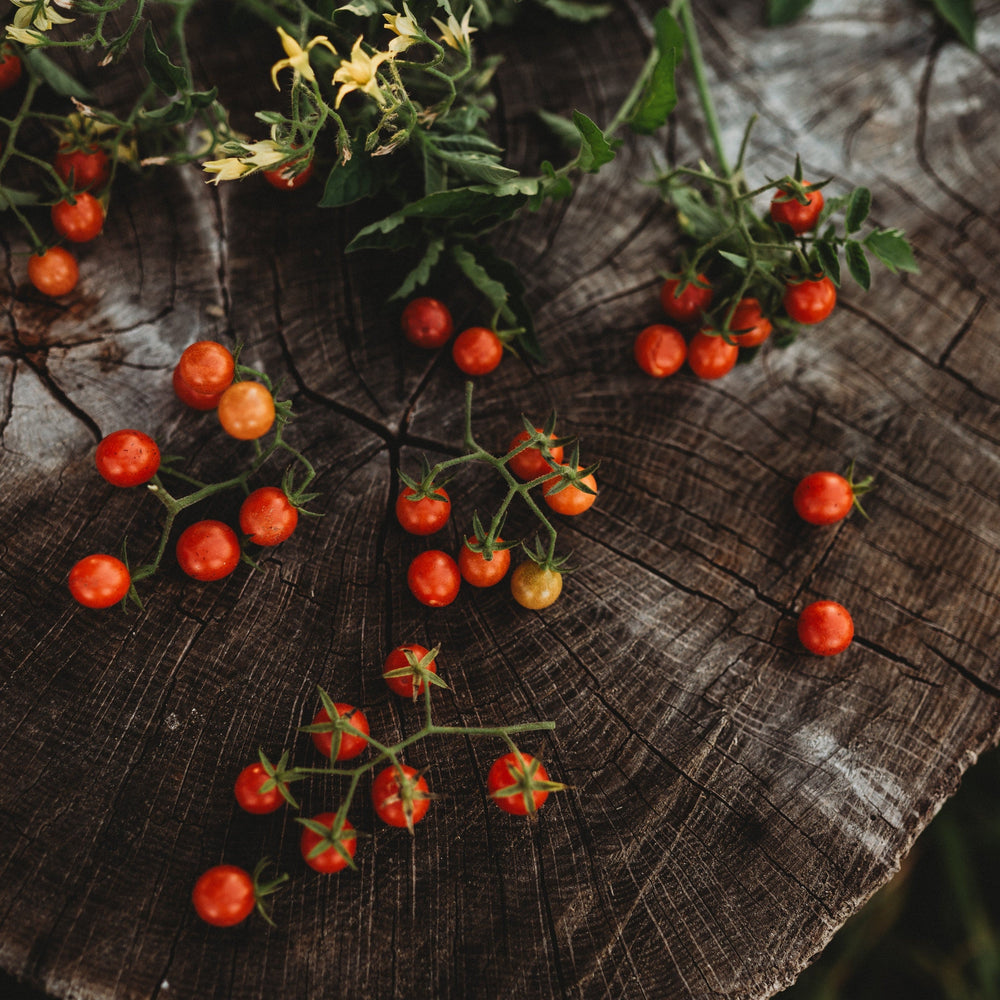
(224, 896)
(79, 221)
(285, 179)
(98, 581)
(208, 550)
(755, 326)
(508, 772)
(710, 357)
(349, 745)
(335, 856)
(687, 305)
(659, 350)
(82, 169)
(427, 323)
(810, 301)
(246, 410)
(823, 498)
(196, 400)
(423, 516)
(570, 500)
(787, 210)
(206, 367)
(433, 578)
(534, 586)
(54, 272)
(127, 458)
(477, 350)
(825, 628)
(249, 795)
(531, 463)
(10, 69)
(268, 516)
(397, 660)
(479, 571)
(400, 800)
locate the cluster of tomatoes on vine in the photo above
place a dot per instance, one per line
(206, 377)
(517, 783)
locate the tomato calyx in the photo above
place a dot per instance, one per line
(520, 784)
(417, 670)
(572, 474)
(859, 487)
(533, 453)
(335, 722)
(261, 889)
(280, 775)
(335, 836)
(401, 787)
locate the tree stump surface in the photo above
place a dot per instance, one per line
(733, 800)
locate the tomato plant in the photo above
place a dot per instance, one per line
(10, 68)
(326, 851)
(246, 410)
(290, 176)
(531, 462)
(224, 896)
(710, 356)
(535, 586)
(787, 210)
(208, 550)
(433, 578)
(825, 628)
(82, 168)
(100, 580)
(685, 304)
(426, 322)
(423, 515)
(335, 742)
(810, 301)
(477, 350)
(267, 516)
(206, 367)
(127, 458)
(828, 497)
(519, 784)
(54, 272)
(406, 667)
(400, 796)
(477, 570)
(251, 794)
(571, 500)
(750, 327)
(78, 221)
(659, 350)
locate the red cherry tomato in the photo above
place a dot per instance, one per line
(810, 301)
(531, 463)
(687, 304)
(285, 178)
(508, 772)
(54, 272)
(98, 581)
(823, 498)
(267, 516)
(208, 550)
(399, 674)
(479, 571)
(79, 221)
(477, 350)
(249, 795)
(224, 896)
(196, 400)
(206, 367)
(335, 856)
(659, 350)
(423, 516)
(127, 458)
(825, 628)
(433, 578)
(747, 317)
(400, 799)
(246, 410)
(84, 168)
(10, 69)
(570, 500)
(349, 745)
(426, 322)
(787, 210)
(710, 357)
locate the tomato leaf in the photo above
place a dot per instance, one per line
(859, 204)
(828, 260)
(566, 133)
(736, 259)
(55, 76)
(420, 274)
(659, 94)
(349, 182)
(596, 149)
(575, 10)
(961, 16)
(892, 249)
(483, 168)
(394, 232)
(164, 74)
(9, 197)
(857, 263)
(785, 11)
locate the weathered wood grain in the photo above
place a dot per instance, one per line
(732, 800)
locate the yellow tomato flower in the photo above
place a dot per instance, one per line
(404, 26)
(458, 36)
(229, 169)
(298, 57)
(41, 17)
(358, 73)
